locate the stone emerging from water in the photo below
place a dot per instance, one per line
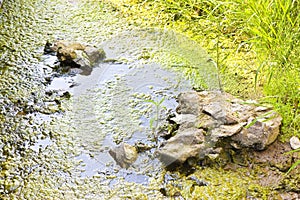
(212, 120)
(124, 154)
(186, 144)
(75, 55)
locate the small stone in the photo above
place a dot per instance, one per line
(215, 109)
(94, 54)
(206, 122)
(254, 102)
(213, 156)
(75, 55)
(124, 154)
(260, 134)
(295, 142)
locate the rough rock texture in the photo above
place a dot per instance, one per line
(124, 154)
(216, 119)
(179, 148)
(262, 133)
(74, 54)
(188, 103)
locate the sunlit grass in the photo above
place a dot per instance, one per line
(273, 27)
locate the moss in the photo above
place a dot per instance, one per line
(217, 183)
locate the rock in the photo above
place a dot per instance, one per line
(206, 122)
(185, 120)
(225, 131)
(94, 54)
(295, 142)
(141, 147)
(263, 108)
(210, 121)
(182, 146)
(75, 54)
(261, 133)
(188, 103)
(124, 154)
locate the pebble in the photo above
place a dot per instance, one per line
(295, 142)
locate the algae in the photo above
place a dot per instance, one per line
(44, 148)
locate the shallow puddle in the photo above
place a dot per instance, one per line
(110, 106)
(117, 101)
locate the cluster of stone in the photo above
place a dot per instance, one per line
(208, 119)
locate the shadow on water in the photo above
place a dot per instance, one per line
(111, 105)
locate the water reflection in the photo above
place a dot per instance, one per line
(110, 105)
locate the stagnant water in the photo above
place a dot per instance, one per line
(56, 146)
(111, 105)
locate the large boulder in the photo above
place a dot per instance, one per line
(217, 119)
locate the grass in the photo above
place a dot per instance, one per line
(154, 121)
(255, 43)
(295, 164)
(274, 30)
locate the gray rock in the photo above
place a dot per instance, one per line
(206, 122)
(224, 107)
(80, 59)
(259, 133)
(189, 103)
(182, 146)
(94, 55)
(263, 108)
(226, 131)
(185, 120)
(124, 154)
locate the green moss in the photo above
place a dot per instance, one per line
(217, 183)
